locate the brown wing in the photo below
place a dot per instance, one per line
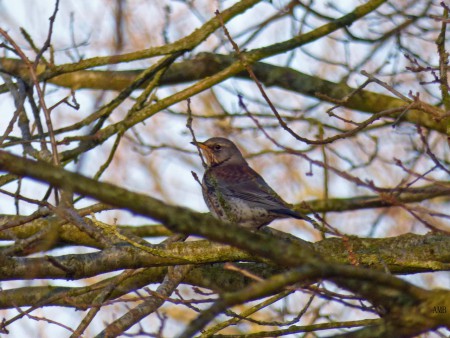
(244, 183)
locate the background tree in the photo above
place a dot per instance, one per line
(343, 108)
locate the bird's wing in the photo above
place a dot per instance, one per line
(244, 183)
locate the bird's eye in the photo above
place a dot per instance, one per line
(217, 147)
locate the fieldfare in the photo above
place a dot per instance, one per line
(236, 193)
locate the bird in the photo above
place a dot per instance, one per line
(234, 192)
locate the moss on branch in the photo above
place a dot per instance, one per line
(207, 64)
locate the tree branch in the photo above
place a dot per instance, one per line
(207, 64)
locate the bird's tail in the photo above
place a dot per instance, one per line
(288, 213)
(294, 214)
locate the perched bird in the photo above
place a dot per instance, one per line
(236, 193)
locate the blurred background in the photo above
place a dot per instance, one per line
(396, 44)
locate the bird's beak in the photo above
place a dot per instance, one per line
(206, 151)
(200, 145)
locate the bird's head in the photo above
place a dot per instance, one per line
(219, 150)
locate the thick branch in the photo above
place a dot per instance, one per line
(404, 254)
(70, 234)
(214, 277)
(206, 64)
(376, 286)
